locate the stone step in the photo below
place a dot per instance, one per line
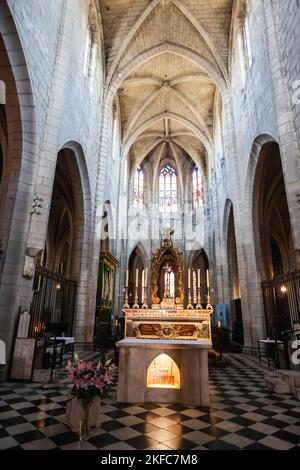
(290, 376)
(276, 385)
(271, 373)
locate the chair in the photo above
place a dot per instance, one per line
(54, 348)
(53, 351)
(272, 353)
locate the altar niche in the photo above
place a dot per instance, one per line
(167, 275)
(163, 372)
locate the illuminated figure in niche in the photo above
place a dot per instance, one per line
(169, 281)
(163, 372)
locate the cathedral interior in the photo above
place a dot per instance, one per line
(149, 210)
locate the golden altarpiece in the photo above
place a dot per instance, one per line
(168, 318)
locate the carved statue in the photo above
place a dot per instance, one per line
(159, 257)
(166, 240)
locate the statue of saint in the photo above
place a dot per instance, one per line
(166, 240)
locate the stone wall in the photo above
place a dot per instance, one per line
(61, 106)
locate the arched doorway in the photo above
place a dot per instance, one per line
(18, 166)
(200, 262)
(59, 264)
(234, 284)
(106, 282)
(137, 280)
(275, 250)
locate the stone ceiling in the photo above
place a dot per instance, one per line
(166, 63)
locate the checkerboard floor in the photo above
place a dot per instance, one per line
(243, 415)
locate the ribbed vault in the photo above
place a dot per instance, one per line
(165, 61)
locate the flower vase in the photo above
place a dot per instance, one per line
(84, 430)
(81, 419)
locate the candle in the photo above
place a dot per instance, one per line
(137, 278)
(189, 278)
(207, 278)
(42, 259)
(219, 324)
(127, 277)
(146, 276)
(199, 279)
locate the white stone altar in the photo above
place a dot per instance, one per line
(163, 371)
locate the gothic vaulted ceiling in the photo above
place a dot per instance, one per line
(168, 61)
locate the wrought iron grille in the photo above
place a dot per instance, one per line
(53, 302)
(282, 303)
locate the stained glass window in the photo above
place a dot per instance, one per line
(138, 189)
(168, 190)
(197, 188)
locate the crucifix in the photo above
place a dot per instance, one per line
(168, 271)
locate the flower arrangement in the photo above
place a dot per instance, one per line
(89, 381)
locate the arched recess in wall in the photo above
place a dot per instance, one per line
(16, 163)
(137, 264)
(200, 261)
(3, 132)
(275, 252)
(63, 264)
(66, 227)
(236, 320)
(106, 274)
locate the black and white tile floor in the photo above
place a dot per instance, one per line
(242, 415)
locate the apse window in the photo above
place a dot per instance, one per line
(167, 190)
(197, 188)
(138, 189)
(163, 372)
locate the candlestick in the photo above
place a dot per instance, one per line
(136, 298)
(127, 277)
(126, 302)
(145, 304)
(199, 305)
(189, 279)
(208, 306)
(190, 306)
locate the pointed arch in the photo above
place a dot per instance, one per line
(173, 116)
(171, 48)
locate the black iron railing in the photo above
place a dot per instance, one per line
(53, 302)
(282, 304)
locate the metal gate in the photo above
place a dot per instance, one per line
(282, 303)
(53, 302)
